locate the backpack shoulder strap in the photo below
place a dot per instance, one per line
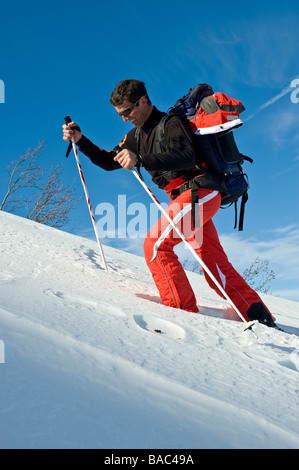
(160, 135)
(137, 138)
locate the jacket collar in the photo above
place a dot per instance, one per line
(152, 120)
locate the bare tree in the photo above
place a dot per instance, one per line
(259, 275)
(22, 173)
(46, 198)
(192, 266)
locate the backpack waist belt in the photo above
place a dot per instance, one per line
(193, 185)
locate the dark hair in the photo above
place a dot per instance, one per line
(128, 90)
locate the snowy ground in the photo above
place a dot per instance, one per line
(83, 367)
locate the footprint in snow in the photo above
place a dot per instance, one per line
(79, 300)
(6, 276)
(291, 361)
(160, 326)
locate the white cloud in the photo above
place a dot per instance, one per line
(279, 246)
(268, 103)
(261, 54)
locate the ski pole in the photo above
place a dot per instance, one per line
(188, 245)
(67, 120)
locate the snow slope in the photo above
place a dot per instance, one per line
(85, 368)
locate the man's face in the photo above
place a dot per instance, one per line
(137, 113)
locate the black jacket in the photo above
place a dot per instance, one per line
(179, 157)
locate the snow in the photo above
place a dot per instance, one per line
(83, 367)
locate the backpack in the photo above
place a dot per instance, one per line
(212, 118)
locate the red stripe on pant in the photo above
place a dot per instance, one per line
(168, 273)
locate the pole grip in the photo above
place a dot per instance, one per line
(67, 120)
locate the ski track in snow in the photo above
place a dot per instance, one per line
(94, 360)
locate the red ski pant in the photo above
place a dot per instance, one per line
(168, 273)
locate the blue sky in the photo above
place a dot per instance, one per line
(64, 58)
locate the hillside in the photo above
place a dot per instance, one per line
(85, 368)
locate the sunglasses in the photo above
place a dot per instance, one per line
(126, 112)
